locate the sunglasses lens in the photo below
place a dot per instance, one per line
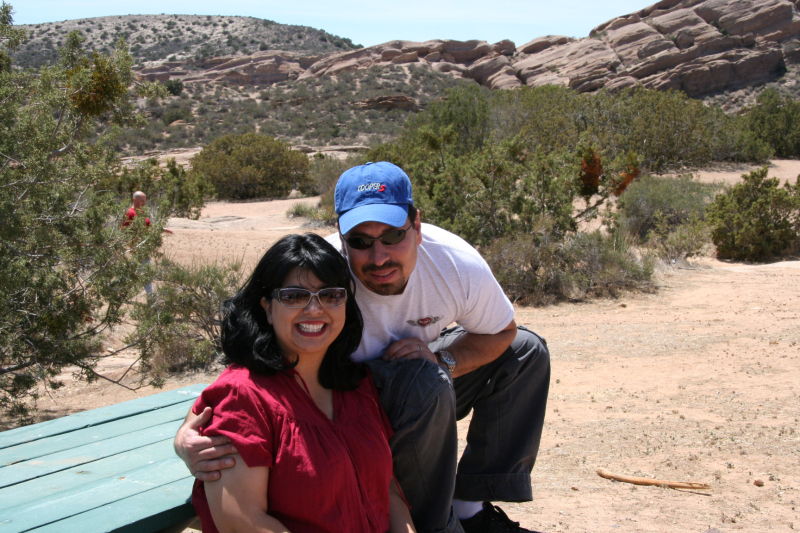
(294, 297)
(393, 237)
(332, 297)
(389, 238)
(359, 243)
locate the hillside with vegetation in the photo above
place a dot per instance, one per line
(360, 108)
(232, 75)
(176, 37)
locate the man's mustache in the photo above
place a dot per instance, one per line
(372, 267)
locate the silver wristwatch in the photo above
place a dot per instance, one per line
(447, 358)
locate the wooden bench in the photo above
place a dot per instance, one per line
(109, 469)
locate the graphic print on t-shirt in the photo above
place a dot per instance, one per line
(425, 321)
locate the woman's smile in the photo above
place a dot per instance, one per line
(311, 328)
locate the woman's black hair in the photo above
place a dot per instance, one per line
(249, 339)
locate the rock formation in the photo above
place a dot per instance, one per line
(698, 46)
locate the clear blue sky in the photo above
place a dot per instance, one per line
(369, 22)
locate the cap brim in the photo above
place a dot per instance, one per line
(390, 214)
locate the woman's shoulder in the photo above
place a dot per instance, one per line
(240, 381)
(234, 377)
(366, 387)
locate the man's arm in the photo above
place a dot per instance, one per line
(470, 350)
(204, 456)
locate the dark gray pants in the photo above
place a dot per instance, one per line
(508, 398)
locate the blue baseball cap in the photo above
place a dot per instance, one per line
(375, 192)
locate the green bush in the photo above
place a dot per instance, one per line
(775, 119)
(324, 173)
(178, 327)
(670, 201)
(756, 219)
(177, 113)
(247, 166)
(174, 87)
(667, 130)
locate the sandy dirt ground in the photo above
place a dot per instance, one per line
(697, 381)
(783, 169)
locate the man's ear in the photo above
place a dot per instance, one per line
(341, 239)
(267, 305)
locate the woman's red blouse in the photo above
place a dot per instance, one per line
(325, 475)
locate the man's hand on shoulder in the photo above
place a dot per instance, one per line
(410, 348)
(204, 456)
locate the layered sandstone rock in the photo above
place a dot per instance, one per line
(262, 68)
(462, 53)
(494, 71)
(698, 46)
(540, 43)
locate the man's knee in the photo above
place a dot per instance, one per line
(530, 349)
(411, 388)
(528, 354)
(529, 367)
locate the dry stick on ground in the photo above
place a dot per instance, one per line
(602, 472)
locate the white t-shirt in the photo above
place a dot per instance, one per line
(450, 283)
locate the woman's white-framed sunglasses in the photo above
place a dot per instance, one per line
(297, 297)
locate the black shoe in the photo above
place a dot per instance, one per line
(492, 519)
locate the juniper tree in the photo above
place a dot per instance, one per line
(67, 268)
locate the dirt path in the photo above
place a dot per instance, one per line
(698, 381)
(783, 169)
(229, 231)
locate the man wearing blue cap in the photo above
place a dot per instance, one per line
(412, 280)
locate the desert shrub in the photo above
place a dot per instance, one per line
(178, 327)
(775, 119)
(176, 113)
(667, 130)
(301, 210)
(734, 140)
(324, 172)
(250, 166)
(673, 243)
(174, 87)
(668, 201)
(757, 218)
(547, 266)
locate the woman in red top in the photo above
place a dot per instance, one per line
(306, 421)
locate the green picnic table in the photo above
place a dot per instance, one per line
(108, 469)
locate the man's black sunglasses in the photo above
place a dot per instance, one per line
(389, 238)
